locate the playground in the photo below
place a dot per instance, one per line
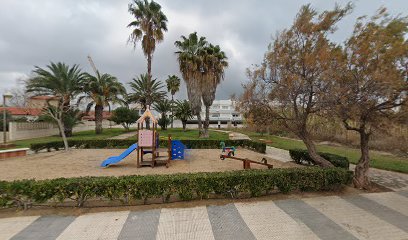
(86, 162)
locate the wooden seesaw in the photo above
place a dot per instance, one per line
(246, 162)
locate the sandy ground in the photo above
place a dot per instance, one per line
(86, 162)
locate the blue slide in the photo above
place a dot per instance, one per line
(116, 159)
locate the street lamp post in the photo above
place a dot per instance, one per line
(5, 97)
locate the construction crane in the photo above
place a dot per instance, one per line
(92, 64)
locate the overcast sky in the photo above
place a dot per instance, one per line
(35, 32)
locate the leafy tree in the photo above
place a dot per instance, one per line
(148, 27)
(295, 73)
(125, 117)
(101, 90)
(57, 114)
(183, 112)
(202, 66)
(163, 107)
(58, 80)
(372, 83)
(173, 86)
(146, 92)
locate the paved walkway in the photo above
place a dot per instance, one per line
(366, 216)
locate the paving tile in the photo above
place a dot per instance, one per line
(385, 213)
(321, 225)
(389, 199)
(44, 228)
(105, 225)
(184, 223)
(11, 226)
(267, 221)
(140, 225)
(360, 223)
(227, 223)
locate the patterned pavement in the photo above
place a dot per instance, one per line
(365, 216)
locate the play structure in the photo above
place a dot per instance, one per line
(229, 152)
(148, 143)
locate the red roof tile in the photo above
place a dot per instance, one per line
(20, 111)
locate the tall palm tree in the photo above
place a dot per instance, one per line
(190, 60)
(215, 62)
(173, 86)
(146, 92)
(148, 27)
(183, 112)
(60, 80)
(101, 90)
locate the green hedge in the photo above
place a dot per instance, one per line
(300, 156)
(187, 186)
(116, 143)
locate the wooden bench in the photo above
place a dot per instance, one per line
(17, 152)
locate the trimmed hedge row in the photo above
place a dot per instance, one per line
(118, 143)
(187, 186)
(300, 155)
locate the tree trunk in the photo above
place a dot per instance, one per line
(360, 179)
(184, 125)
(206, 122)
(64, 137)
(311, 148)
(66, 106)
(98, 118)
(149, 66)
(172, 103)
(200, 125)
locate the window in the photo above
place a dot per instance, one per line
(215, 115)
(224, 107)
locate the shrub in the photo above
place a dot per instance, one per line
(119, 143)
(302, 156)
(124, 116)
(185, 186)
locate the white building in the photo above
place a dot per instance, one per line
(221, 112)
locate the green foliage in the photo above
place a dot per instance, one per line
(185, 186)
(302, 156)
(120, 143)
(145, 91)
(183, 112)
(163, 122)
(8, 119)
(124, 116)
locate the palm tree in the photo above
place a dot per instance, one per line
(190, 60)
(163, 107)
(173, 86)
(215, 61)
(101, 90)
(59, 80)
(202, 65)
(148, 27)
(183, 112)
(146, 92)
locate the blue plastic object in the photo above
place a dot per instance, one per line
(116, 159)
(177, 150)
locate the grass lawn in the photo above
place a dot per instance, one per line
(90, 134)
(178, 134)
(378, 160)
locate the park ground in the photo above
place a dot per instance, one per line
(345, 214)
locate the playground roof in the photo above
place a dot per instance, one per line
(146, 114)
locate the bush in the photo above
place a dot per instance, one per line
(302, 156)
(119, 143)
(124, 116)
(185, 186)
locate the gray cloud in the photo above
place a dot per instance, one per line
(37, 32)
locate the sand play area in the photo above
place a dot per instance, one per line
(86, 162)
